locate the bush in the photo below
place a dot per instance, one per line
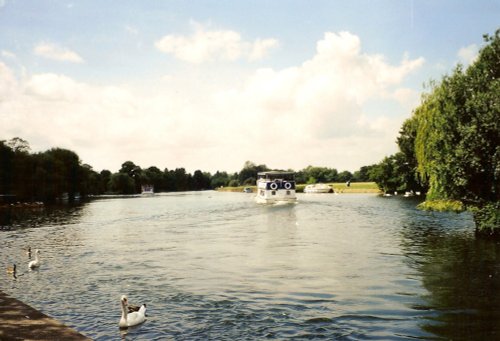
(487, 218)
(442, 205)
(233, 183)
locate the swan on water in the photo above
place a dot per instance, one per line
(35, 263)
(133, 318)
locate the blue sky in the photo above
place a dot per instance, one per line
(210, 84)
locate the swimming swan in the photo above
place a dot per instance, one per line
(35, 263)
(131, 319)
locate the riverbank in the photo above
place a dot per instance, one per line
(19, 321)
(338, 187)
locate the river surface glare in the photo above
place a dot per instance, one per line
(217, 266)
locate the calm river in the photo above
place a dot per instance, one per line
(218, 266)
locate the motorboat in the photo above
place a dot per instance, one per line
(147, 190)
(275, 187)
(318, 188)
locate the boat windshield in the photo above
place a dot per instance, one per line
(270, 176)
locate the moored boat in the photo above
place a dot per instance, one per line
(275, 187)
(318, 188)
(147, 190)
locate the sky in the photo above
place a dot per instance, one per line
(207, 85)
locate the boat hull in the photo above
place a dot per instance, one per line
(318, 188)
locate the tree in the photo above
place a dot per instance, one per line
(219, 179)
(249, 172)
(181, 179)
(18, 145)
(153, 176)
(7, 156)
(345, 176)
(456, 143)
(122, 183)
(406, 142)
(128, 167)
(363, 174)
(200, 180)
(104, 178)
(385, 174)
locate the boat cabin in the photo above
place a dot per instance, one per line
(275, 186)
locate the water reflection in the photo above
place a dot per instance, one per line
(459, 272)
(22, 218)
(217, 266)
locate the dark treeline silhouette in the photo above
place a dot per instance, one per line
(58, 174)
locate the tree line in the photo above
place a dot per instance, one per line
(58, 174)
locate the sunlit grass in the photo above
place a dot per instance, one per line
(442, 205)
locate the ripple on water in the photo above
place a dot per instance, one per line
(217, 266)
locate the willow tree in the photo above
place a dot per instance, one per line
(457, 141)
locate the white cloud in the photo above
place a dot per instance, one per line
(212, 45)
(260, 48)
(468, 54)
(316, 113)
(8, 54)
(55, 52)
(7, 82)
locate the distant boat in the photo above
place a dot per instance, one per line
(147, 190)
(318, 188)
(275, 187)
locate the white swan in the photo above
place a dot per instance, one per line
(35, 263)
(131, 319)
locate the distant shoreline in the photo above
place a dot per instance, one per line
(338, 187)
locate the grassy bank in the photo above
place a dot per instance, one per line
(338, 187)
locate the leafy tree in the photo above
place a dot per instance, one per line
(18, 145)
(249, 172)
(456, 143)
(406, 142)
(128, 167)
(153, 176)
(219, 179)
(233, 183)
(169, 183)
(200, 180)
(181, 179)
(6, 161)
(363, 174)
(385, 174)
(104, 178)
(345, 176)
(122, 183)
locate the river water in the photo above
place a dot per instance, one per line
(218, 266)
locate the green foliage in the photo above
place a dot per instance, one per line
(219, 179)
(234, 183)
(457, 131)
(487, 218)
(442, 205)
(122, 183)
(390, 173)
(249, 172)
(42, 176)
(311, 180)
